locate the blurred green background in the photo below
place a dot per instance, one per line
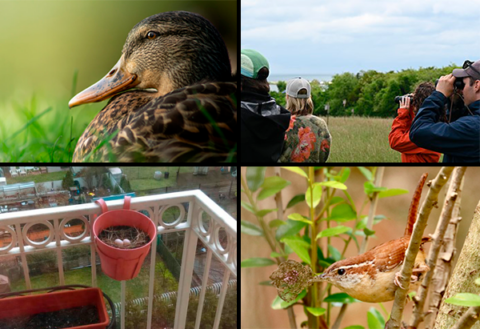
(43, 44)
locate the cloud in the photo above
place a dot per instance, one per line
(382, 35)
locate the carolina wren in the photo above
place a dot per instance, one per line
(373, 276)
(370, 277)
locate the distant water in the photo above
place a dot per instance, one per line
(286, 77)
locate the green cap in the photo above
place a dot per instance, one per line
(252, 62)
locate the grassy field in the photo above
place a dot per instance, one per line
(141, 178)
(39, 130)
(358, 139)
(59, 175)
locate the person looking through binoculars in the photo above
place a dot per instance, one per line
(458, 138)
(399, 135)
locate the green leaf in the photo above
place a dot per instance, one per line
(251, 229)
(370, 188)
(274, 254)
(333, 184)
(265, 283)
(342, 213)
(247, 206)
(336, 199)
(378, 315)
(412, 294)
(464, 299)
(368, 232)
(373, 322)
(263, 212)
(257, 262)
(297, 170)
(317, 311)
(271, 186)
(355, 327)
(392, 192)
(291, 228)
(255, 177)
(334, 253)
(333, 231)
(300, 218)
(276, 223)
(367, 173)
(317, 195)
(477, 282)
(279, 303)
(296, 199)
(340, 297)
(299, 246)
(345, 173)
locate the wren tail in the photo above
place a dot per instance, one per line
(412, 212)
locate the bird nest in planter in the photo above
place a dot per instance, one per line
(124, 237)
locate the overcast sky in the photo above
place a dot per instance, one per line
(336, 36)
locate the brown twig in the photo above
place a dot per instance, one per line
(445, 217)
(468, 319)
(414, 245)
(463, 277)
(444, 264)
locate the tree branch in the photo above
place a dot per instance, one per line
(463, 277)
(445, 217)
(468, 319)
(414, 245)
(444, 264)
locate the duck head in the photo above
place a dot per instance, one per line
(166, 51)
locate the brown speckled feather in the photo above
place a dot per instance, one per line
(191, 124)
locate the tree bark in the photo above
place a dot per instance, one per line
(444, 266)
(438, 239)
(464, 275)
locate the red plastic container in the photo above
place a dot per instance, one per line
(122, 264)
(54, 301)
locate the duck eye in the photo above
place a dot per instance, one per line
(341, 271)
(151, 35)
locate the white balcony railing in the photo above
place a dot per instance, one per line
(18, 224)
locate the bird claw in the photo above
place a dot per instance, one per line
(396, 281)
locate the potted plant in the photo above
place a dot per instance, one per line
(122, 239)
(60, 307)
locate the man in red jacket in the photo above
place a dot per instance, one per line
(399, 136)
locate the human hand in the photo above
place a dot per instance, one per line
(405, 102)
(445, 85)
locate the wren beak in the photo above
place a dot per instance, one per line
(117, 80)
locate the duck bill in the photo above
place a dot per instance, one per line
(117, 80)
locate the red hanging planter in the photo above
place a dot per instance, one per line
(122, 264)
(58, 305)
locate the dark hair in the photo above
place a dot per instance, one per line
(472, 80)
(422, 91)
(259, 85)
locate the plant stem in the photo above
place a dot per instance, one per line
(314, 300)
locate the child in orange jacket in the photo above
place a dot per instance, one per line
(398, 137)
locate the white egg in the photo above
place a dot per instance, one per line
(126, 242)
(119, 243)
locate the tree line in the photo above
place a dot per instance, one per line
(368, 93)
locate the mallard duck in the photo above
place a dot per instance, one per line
(184, 105)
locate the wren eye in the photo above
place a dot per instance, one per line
(151, 35)
(341, 271)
